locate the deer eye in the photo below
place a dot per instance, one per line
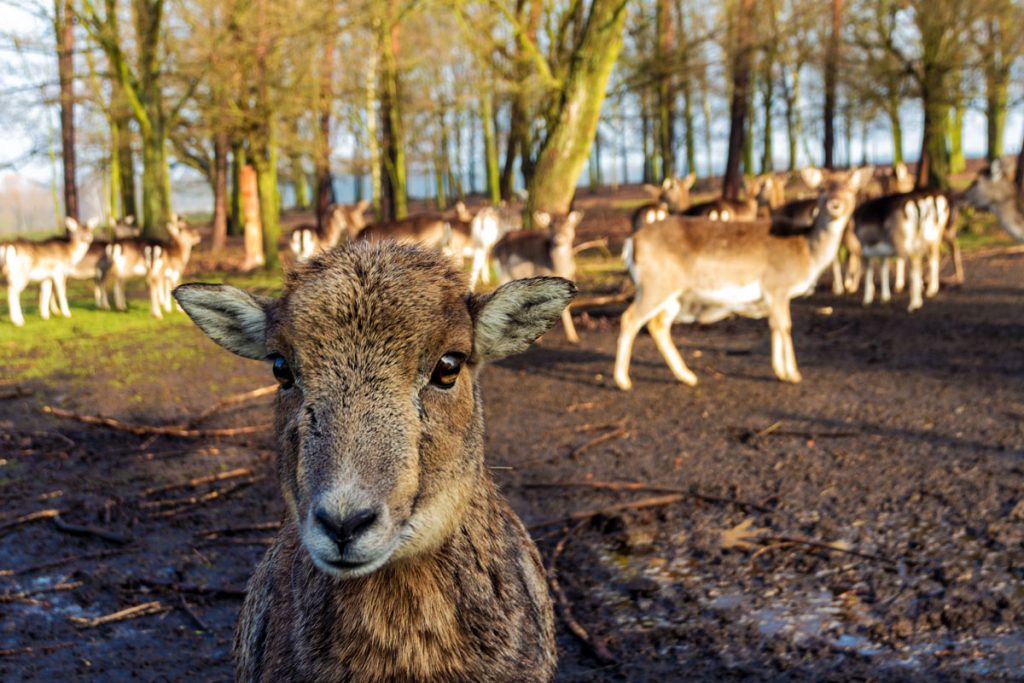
(282, 372)
(446, 372)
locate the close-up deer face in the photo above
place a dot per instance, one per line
(376, 349)
(839, 192)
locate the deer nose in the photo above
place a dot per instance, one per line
(344, 531)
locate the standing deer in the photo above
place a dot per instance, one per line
(48, 263)
(533, 253)
(708, 271)
(769, 189)
(727, 210)
(343, 221)
(398, 560)
(993, 190)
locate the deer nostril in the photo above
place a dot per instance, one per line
(345, 531)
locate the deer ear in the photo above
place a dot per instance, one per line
(71, 224)
(812, 177)
(666, 184)
(512, 317)
(689, 180)
(234, 319)
(996, 170)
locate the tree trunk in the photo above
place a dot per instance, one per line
(666, 93)
(490, 144)
(957, 163)
(265, 162)
(1018, 177)
(156, 200)
(893, 110)
(933, 170)
(831, 79)
(324, 181)
(732, 183)
(65, 30)
(996, 103)
(705, 96)
(768, 100)
(372, 142)
(395, 192)
(649, 146)
(237, 164)
(567, 145)
(250, 216)
(300, 183)
(220, 191)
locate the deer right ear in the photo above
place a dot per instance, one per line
(689, 180)
(995, 169)
(812, 177)
(71, 224)
(511, 318)
(234, 319)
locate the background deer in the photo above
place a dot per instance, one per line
(48, 263)
(708, 271)
(393, 520)
(343, 221)
(993, 190)
(533, 253)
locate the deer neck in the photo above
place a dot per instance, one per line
(825, 237)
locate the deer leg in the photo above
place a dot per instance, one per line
(916, 282)
(60, 288)
(958, 263)
(886, 292)
(933, 270)
(783, 356)
(155, 290)
(570, 328)
(869, 281)
(901, 274)
(660, 327)
(837, 277)
(119, 301)
(479, 263)
(854, 262)
(100, 293)
(632, 321)
(14, 289)
(45, 295)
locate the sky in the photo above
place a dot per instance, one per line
(24, 122)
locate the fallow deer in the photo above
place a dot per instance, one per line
(427, 229)
(708, 271)
(993, 190)
(48, 263)
(93, 266)
(533, 253)
(908, 227)
(343, 221)
(398, 560)
(727, 210)
(166, 265)
(672, 196)
(769, 189)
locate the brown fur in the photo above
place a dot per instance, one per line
(462, 596)
(724, 210)
(993, 190)
(343, 222)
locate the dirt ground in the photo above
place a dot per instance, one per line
(867, 524)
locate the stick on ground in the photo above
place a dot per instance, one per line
(653, 488)
(147, 430)
(134, 612)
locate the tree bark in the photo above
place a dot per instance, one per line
(666, 93)
(957, 163)
(324, 181)
(65, 30)
(220, 191)
(237, 164)
(567, 145)
(1018, 177)
(250, 216)
(831, 82)
(490, 145)
(893, 110)
(732, 183)
(394, 204)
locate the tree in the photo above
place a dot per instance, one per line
(64, 28)
(742, 55)
(831, 82)
(1000, 43)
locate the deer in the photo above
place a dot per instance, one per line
(707, 271)
(343, 221)
(93, 266)
(397, 558)
(728, 210)
(896, 179)
(46, 262)
(430, 230)
(993, 190)
(158, 261)
(124, 228)
(533, 253)
(769, 189)
(908, 227)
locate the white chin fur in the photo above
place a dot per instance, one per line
(353, 572)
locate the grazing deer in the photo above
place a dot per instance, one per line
(398, 560)
(124, 228)
(343, 221)
(908, 227)
(532, 253)
(708, 271)
(993, 190)
(673, 192)
(46, 262)
(896, 179)
(157, 261)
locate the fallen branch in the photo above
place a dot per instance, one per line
(654, 488)
(79, 530)
(617, 433)
(195, 589)
(595, 644)
(655, 501)
(27, 595)
(61, 562)
(145, 609)
(197, 481)
(231, 401)
(235, 530)
(147, 430)
(30, 517)
(179, 505)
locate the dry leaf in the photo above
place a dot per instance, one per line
(741, 536)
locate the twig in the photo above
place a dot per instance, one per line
(197, 481)
(592, 244)
(146, 430)
(29, 650)
(231, 401)
(234, 530)
(654, 501)
(16, 392)
(196, 589)
(618, 433)
(829, 547)
(192, 613)
(63, 561)
(182, 504)
(23, 595)
(38, 432)
(596, 645)
(79, 530)
(654, 488)
(30, 517)
(145, 609)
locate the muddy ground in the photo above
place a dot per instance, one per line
(867, 524)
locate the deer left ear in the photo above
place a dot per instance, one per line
(234, 319)
(511, 318)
